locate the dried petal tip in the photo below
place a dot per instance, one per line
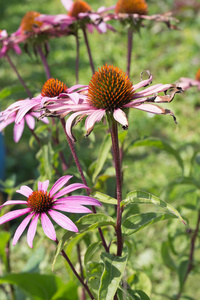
(110, 88)
(28, 22)
(53, 87)
(39, 202)
(79, 6)
(132, 7)
(197, 77)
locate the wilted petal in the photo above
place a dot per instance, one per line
(70, 188)
(32, 230)
(120, 117)
(63, 221)
(93, 118)
(151, 108)
(21, 228)
(72, 208)
(59, 184)
(48, 227)
(143, 82)
(43, 186)
(13, 215)
(25, 191)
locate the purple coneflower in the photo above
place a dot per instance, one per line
(6, 44)
(42, 204)
(20, 112)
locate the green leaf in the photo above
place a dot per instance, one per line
(168, 260)
(113, 270)
(93, 275)
(91, 250)
(40, 287)
(139, 281)
(105, 198)
(160, 144)
(6, 92)
(103, 154)
(140, 197)
(137, 222)
(4, 238)
(132, 294)
(84, 224)
(182, 271)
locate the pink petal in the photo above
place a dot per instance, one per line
(94, 117)
(43, 186)
(70, 121)
(74, 97)
(13, 215)
(48, 227)
(21, 228)
(79, 199)
(72, 208)
(32, 230)
(62, 220)
(158, 88)
(13, 202)
(59, 184)
(25, 191)
(120, 117)
(30, 121)
(70, 188)
(151, 108)
(5, 123)
(143, 83)
(67, 4)
(18, 130)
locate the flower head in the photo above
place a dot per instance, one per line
(29, 22)
(78, 7)
(53, 87)
(132, 7)
(20, 112)
(41, 204)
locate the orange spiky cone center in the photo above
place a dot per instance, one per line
(197, 77)
(53, 87)
(39, 201)
(110, 88)
(79, 6)
(28, 22)
(132, 7)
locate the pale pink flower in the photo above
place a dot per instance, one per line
(7, 43)
(41, 204)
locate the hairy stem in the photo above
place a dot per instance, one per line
(75, 273)
(88, 50)
(117, 162)
(130, 44)
(77, 59)
(44, 62)
(19, 76)
(77, 162)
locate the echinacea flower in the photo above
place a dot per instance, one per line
(41, 204)
(6, 44)
(20, 112)
(185, 83)
(110, 92)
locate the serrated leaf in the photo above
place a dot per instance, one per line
(84, 224)
(140, 197)
(113, 271)
(105, 198)
(137, 222)
(103, 154)
(160, 144)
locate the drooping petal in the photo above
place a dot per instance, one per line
(74, 97)
(79, 199)
(48, 227)
(143, 83)
(70, 188)
(13, 215)
(70, 123)
(13, 202)
(30, 121)
(120, 117)
(72, 208)
(25, 191)
(43, 186)
(63, 221)
(5, 123)
(151, 108)
(32, 230)
(21, 228)
(93, 118)
(18, 130)
(59, 184)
